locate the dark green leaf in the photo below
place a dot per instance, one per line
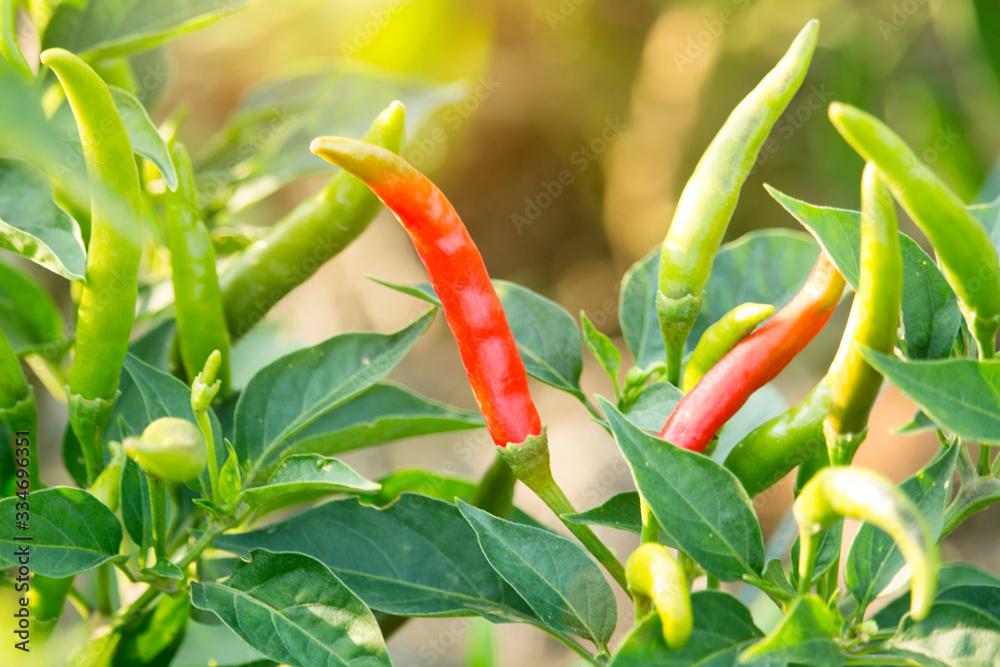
(153, 640)
(602, 347)
(383, 413)
(981, 598)
(308, 472)
(289, 394)
(959, 394)
(417, 557)
(930, 309)
(621, 511)
(950, 574)
(919, 424)
(827, 551)
(721, 627)
(655, 403)
(105, 28)
(34, 226)
(291, 608)
(874, 558)
(263, 145)
(555, 576)
(28, 315)
(958, 635)
(700, 505)
(230, 485)
(804, 636)
(165, 569)
(71, 531)
(142, 133)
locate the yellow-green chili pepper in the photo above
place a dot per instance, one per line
(316, 230)
(722, 337)
(968, 258)
(710, 196)
(653, 573)
(107, 301)
(864, 494)
(201, 320)
(874, 321)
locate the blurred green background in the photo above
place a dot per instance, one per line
(585, 119)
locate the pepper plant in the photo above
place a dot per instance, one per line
(203, 504)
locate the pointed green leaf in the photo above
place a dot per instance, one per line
(700, 505)
(951, 574)
(70, 532)
(291, 608)
(308, 473)
(28, 315)
(956, 634)
(555, 576)
(602, 347)
(804, 636)
(142, 133)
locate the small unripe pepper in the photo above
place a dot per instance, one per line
(720, 338)
(201, 321)
(968, 258)
(874, 322)
(170, 448)
(316, 230)
(841, 491)
(107, 302)
(755, 361)
(458, 275)
(654, 573)
(710, 196)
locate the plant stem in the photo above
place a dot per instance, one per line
(104, 604)
(808, 546)
(213, 464)
(983, 465)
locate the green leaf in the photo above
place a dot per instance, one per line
(262, 146)
(165, 569)
(654, 404)
(919, 424)
(308, 472)
(982, 598)
(804, 636)
(289, 394)
(760, 267)
(930, 309)
(874, 558)
(71, 531)
(417, 557)
(958, 635)
(105, 28)
(382, 413)
(555, 576)
(829, 544)
(34, 226)
(291, 608)
(96, 652)
(700, 505)
(621, 511)
(721, 627)
(602, 347)
(950, 575)
(959, 394)
(28, 315)
(230, 486)
(153, 640)
(142, 133)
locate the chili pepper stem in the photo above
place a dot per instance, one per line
(841, 447)
(529, 461)
(808, 548)
(495, 491)
(88, 418)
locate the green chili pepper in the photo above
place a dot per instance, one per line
(722, 337)
(170, 448)
(107, 302)
(9, 47)
(774, 448)
(864, 494)
(653, 573)
(968, 258)
(300, 243)
(710, 196)
(874, 321)
(201, 320)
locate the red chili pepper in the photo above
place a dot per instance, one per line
(458, 275)
(755, 361)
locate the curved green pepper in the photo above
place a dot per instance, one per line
(874, 321)
(201, 320)
(710, 196)
(318, 229)
(722, 337)
(107, 303)
(968, 258)
(774, 448)
(864, 494)
(654, 573)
